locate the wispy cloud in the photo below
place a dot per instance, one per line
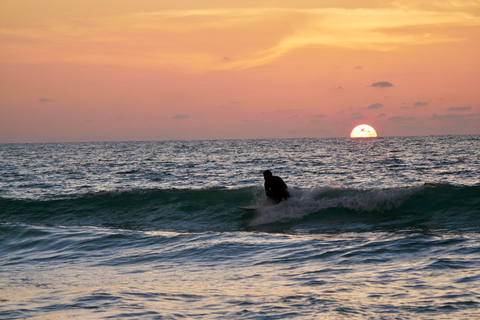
(180, 117)
(208, 39)
(419, 104)
(318, 118)
(466, 108)
(447, 116)
(401, 119)
(379, 29)
(45, 100)
(382, 84)
(358, 116)
(375, 106)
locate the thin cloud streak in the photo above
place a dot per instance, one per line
(370, 29)
(165, 37)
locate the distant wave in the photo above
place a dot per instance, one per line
(322, 209)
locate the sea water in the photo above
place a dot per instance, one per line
(383, 228)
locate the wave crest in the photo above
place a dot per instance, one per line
(214, 209)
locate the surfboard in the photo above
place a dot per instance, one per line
(251, 208)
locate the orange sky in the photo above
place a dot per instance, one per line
(156, 70)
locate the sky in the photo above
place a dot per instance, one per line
(118, 70)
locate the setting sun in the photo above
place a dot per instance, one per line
(363, 131)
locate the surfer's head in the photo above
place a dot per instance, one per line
(267, 174)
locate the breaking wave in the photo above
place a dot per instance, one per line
(318, 210)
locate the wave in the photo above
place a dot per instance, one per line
(424, 207)
(323, 209)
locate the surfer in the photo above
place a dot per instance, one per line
(275, 188)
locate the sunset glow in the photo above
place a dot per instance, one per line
(160, 70)
(363, 131)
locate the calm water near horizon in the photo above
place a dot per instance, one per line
(384, 228)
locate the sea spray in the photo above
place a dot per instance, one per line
(303, 203)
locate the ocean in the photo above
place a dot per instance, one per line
(379, 228)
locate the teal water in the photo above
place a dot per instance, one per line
(384, 228)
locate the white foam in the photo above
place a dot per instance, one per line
(303, 203)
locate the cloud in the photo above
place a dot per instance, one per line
(382, 115)
(379, 29)
(180, 116)
(386, 27)
(375, 106)
(318, 118)
(447, 116)
(419, 104)
(381, 84)
(401, 119)
(358, 67)
(45, 100)
(358, 116)
(460, 108)
(289, 110)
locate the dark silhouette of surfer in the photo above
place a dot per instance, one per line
(275, 188)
